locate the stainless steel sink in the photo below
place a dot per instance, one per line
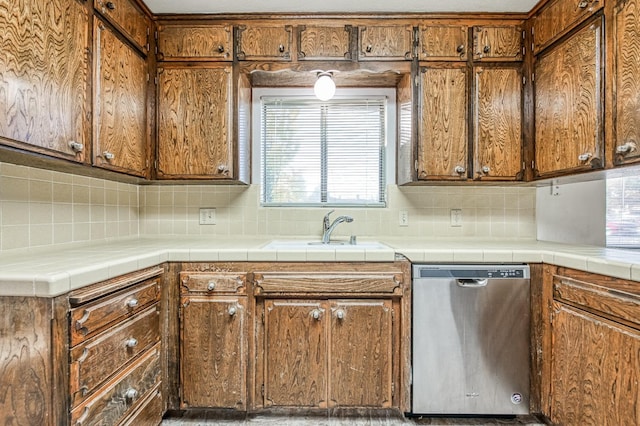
(319, 245)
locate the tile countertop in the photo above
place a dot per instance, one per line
(52, 272)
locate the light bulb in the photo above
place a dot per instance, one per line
(325, 88)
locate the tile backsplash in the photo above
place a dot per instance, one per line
(43, 208)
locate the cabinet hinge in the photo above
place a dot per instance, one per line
(533, 78)
(524, 51)
(262, 390)
(523, 34)
(155, 164)
(416, 81)
(393, 389)
(415, 166)
(262, 317)
(155, 80)
(155, 34)
(524, 80)
(148, 77)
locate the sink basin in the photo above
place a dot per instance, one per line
(318, 245)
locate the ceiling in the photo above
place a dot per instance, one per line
(338, 6)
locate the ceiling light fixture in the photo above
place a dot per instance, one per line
(325, 87)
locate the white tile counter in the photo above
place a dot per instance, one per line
(53, 272)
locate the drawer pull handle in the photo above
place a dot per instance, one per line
(79, 323)
(85, 354)
(83, 417)
(369, 48)
(220, 48)
(486, 170)
(625, 148)
(131, 393)
(316, 314)
(132, 303)
(459, 170)
(108, 155)
(584, 157)
(132, 342)
(232, 310)
(76, 146)
(211, 286)
(281, 48)
(460, 49)
(111, 5)
(340, 314)
(583, 4)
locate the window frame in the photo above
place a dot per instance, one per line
(341, 93)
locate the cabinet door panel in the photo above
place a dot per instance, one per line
(361, 357)
(443, 43)
(194, 122)
(264, 42)
(324, 42)
(568, 104)
(595, 370)
(386, 42)
(627, 82)
(213, 352)
(498, 122)
(44, 76)
(443, 135)
(120, 96)
(497, 43)
(193, 42)
(295, 354)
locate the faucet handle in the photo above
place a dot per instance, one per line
(326, 221)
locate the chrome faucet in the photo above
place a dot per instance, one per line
(328, 227)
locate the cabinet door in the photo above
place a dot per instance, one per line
(213, 352)
(128, 18)
(595, 370)
(442, 132)
(295, 354)
(497, 43)
(195, 42)
(443, 43)
(195, 110)
(264, 42)
(627, 82)
(44, 77)
(324, 42)
(361, 354)
(120, 97)
(568, 105)
(497, 123)
(386, 42)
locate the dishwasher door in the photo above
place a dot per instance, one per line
(471, 339)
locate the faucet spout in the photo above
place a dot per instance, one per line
(328, 228)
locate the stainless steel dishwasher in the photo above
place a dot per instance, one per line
(471, 339)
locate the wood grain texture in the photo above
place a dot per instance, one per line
(103, 288)
(25, 357)
(264, 42)
(361, 355)
(442, 130)
(568, 104)
(497, 122)
(627, 81)
(194, 122)
(558, 17)
(295, 354)
(195, 42)
(326, 282)
(406, 171)
(443, 42)
(130, 20)
(203, 282)
(385, 42)
(595, 370)
(317, 42)
(44, 76)
(497, 43)
(213, 352)
(120, 97)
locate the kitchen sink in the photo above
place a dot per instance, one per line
(319, 245)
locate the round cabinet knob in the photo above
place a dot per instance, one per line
(232, 310)
(369, 48)
(486, 170)
(459, 170)
(76, 146)
(110, 5)
(583, 4)
(211, 286)
(340, 314)
(281, 48)
(108, 155)
(584, 157)
(132, 303)
(220, 48)
(223, 169)
(487, 49)
(316, 314)
(131, 393)
(131, 343)
(460, 49)
(625, 148)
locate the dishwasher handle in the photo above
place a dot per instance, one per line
(472, 282)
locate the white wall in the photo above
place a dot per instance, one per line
(572, 213)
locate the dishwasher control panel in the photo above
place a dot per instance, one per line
(471, 271)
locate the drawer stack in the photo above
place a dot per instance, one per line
(114, 354)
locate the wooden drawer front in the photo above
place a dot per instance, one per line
(326, 282)
(206, 282)
(121, 395)
(378, 42)
(125, 16)
(609, 301)
(324, 42)
(264, 42)
(497, 43)
(187, 42)
(149, 413)
(559, 17)
(443, 43)
(95, 360)
(88, 320)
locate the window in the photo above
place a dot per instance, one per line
(623, 212)
(317, 153)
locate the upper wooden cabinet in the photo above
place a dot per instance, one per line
(497, 43)
(128, 19)
(386, 42)
(323, 42)
(443, 42)
(44, 77)
(626, 111)
(558, 17)
(187, 42)
(120, 104)
(264, 42)
(569, 104)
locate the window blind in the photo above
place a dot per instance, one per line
(323, 152)
(623, 212)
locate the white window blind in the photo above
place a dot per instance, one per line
(323, 152)
(623, 212)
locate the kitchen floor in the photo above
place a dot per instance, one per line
(362, 419)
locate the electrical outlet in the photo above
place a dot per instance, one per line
(456, 218)
(208, 216)
(403, 218)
